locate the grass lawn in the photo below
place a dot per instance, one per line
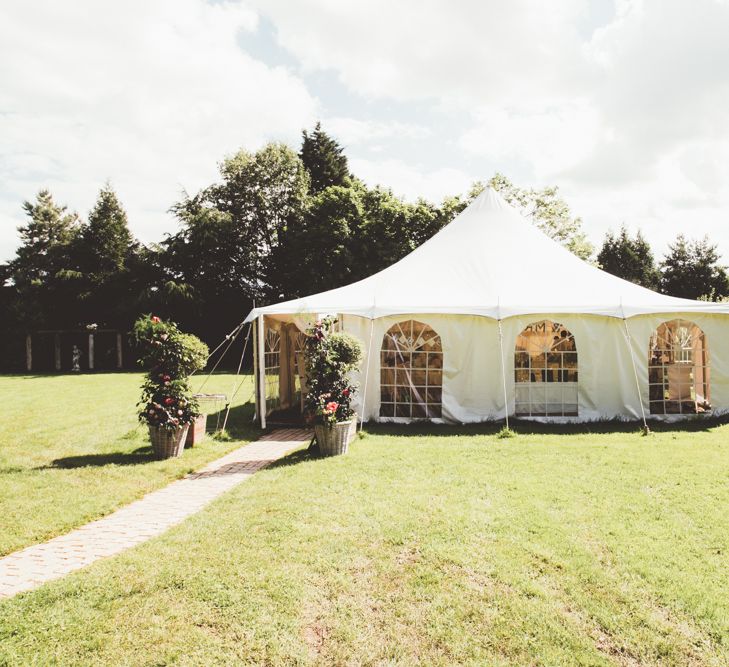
(72, 450)
(436, 546)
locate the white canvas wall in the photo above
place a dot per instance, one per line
(472, 379)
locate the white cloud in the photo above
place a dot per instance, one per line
(464, 53)
(364, 132)
(412, 181)
(622, 106)
(150, 94)
(631, 112)
(551, 139)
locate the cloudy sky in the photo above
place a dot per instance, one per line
(622, 103)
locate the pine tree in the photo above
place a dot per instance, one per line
(45, 242)
(691, 270)
(324, 159)
(629, 258)
(105, 241)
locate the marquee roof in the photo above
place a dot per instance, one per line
(490, 261)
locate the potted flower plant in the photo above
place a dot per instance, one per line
(330, 359)
(167, 405)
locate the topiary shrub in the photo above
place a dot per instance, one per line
(169, 356)
(330, 359)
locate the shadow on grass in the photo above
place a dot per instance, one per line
(240, 424)
(525, 427)
(139, 455)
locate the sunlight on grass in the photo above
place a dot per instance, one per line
(72, 451)
(427, 545)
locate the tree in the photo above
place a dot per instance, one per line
(318, 252)
(546, 209)
(691, 270)
(629, 258)
(39, 273)
(324, 159)
(231, 233)
(45, 242)
(106, 241)
(110, 268)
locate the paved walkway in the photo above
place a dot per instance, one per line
(144, 518)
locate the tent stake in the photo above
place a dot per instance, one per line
(503, 374)
(628, 341)
(367, 375)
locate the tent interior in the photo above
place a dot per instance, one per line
(491, 318)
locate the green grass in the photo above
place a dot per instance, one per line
(431, 546)
(72, 450)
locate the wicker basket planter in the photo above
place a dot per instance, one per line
(196, 432)
(334, 440)
(168, 443)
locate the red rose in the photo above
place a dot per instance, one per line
(169, 400)
(345, 392)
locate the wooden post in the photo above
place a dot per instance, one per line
(91, 352)
(28, 353)
(57, 350)
(119, 350)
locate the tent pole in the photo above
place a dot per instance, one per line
(261, 372)
(367, 374)
(503, 374)
(628, 341)
(256, 406)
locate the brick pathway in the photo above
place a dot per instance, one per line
(142, 519)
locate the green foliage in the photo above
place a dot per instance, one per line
(344, 350)
(45, 241)
(629, 258)
(328, 229)
(506, 433)
(106, 241)
(353, 232)
(231, 232)
(691, 270)
(42, 287)
(171, 356)
(324, 159)
(331, 357)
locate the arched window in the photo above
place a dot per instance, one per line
(545, 371)
(411, 372)
(678, 369)
(272, 368)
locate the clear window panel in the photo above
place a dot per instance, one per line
(678, 369)
(411, 373)
(545, 365)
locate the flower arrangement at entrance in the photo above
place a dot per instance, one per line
(331, 357)
(167, 405)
